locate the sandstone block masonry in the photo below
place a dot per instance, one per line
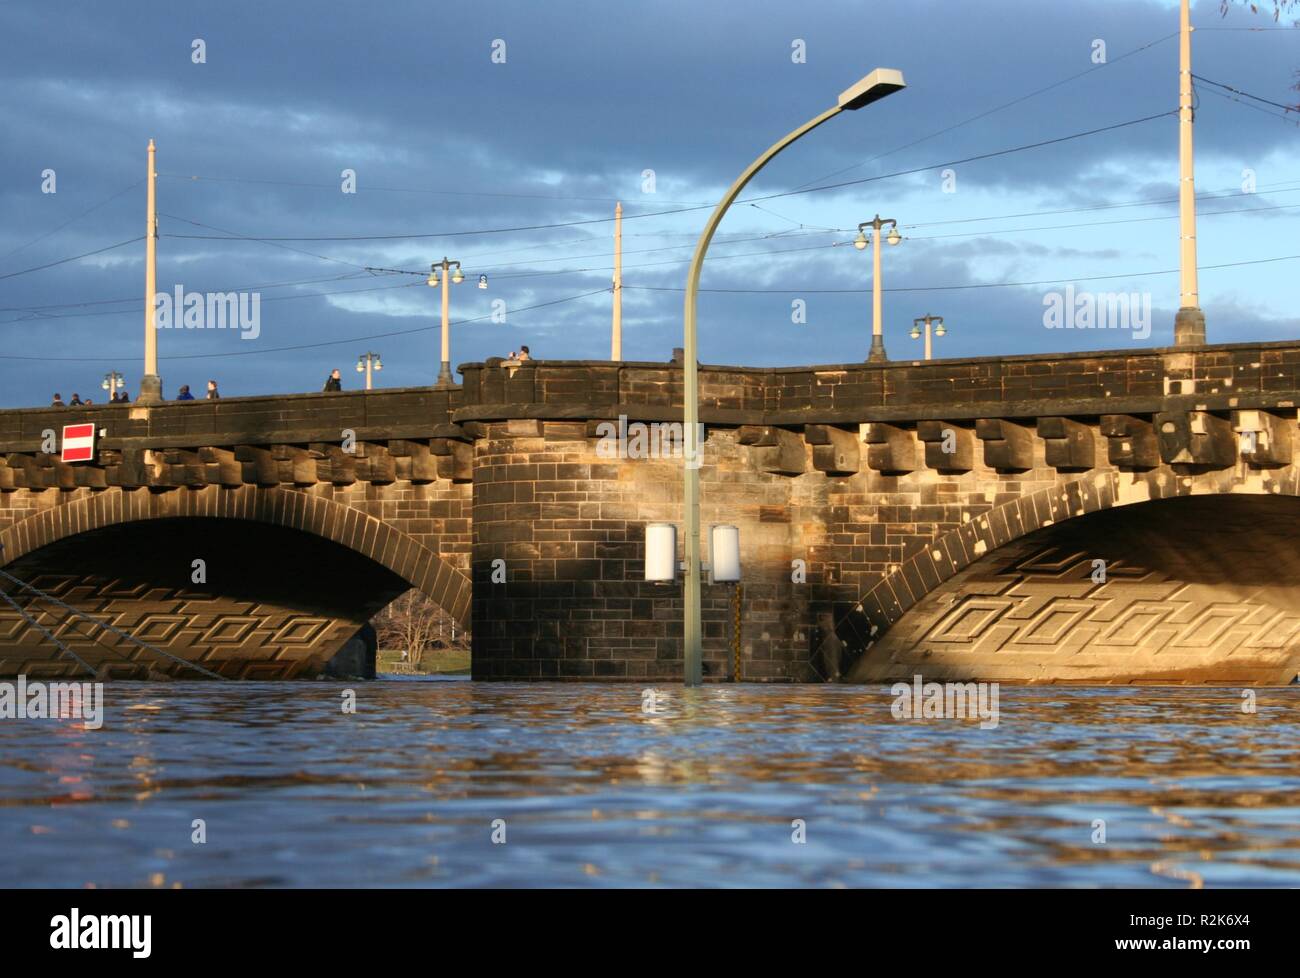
(862, 492)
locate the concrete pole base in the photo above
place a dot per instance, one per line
(877, 354)
(444, 376)
(150, 390)
(1189, 327)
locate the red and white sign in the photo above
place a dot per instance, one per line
(78, 442)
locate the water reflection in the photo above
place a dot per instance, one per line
(594, 791)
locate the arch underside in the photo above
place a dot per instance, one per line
(275, 603)
(289, 578)
(1198, 589)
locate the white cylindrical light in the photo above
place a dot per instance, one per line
(724, 554)
(660, 552)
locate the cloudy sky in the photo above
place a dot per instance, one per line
(513, 165)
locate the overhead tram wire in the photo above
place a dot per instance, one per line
(490, 269)
(365, 271)
(64, 261)
(994, 110)
(664, 288)
(136, 299)
(1238, 91)
(626, 217)
(1226, 193)
(748, 254)
(815, 230)
(72, 220)
(977, 285)
(770, 253)
(969, 159)
(1223, 194)
(312, 346)
(1256, 30)
(274, 298)
(1291, 120)
(415, 190)
(1291, 186)
(235, 235)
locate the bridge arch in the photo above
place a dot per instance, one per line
(271, 546)
(1022, 592)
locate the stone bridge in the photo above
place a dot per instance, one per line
(1124, 516)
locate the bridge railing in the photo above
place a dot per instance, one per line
(580, 388)
(411, 412)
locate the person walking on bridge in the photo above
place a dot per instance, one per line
(334, 382)
(213, 393)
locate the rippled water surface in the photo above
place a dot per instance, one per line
(593, 791)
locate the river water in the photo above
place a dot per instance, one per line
(592, 790)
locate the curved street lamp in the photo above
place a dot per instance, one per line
(875, 86)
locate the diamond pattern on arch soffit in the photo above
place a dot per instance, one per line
(1278, 632)
(12, 626)
(300, 630)
(1051, 624)
(230, 630)
(117, 588)
(968, 620)
(157, 629)
(1210, 623)
(1077, 564)
(55, 584)
(1132, 625)
(1053, 561)
(68, 625)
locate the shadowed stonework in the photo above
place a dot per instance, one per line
(1201, 589)
(276, 603)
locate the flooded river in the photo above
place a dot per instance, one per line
(454, 783)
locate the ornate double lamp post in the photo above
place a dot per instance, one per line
(877, 354)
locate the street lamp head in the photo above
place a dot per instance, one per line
(457, 276)
(361, 365)
(860, 242)
(432, 279)
(916, 332)
(379, 364)
(939, 329)
(878, 84)
(894, 236)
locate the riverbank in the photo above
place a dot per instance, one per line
(443, 662)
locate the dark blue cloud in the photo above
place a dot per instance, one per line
(592, 95)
